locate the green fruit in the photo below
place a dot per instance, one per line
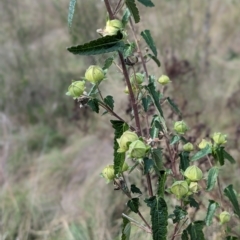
(94, 74)
(193, 173)
(180, 127)
(179, 189)
(76, 89)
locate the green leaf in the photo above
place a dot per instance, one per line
(212, 178)
(146, 102)
(71, 11)
(126, 229)
(108, 62)
(93, 104)
(228, 157)
(202, 153)
(212, 206)
(155, 59)
(193, 202)
(126, 16)
(129, 49)
(195, 230)
(184, 160)
(174, 106)
(230, 193)
(149, 40)
(109, 101)
(218, 154)
(133, 9)
(133, 204)
(157, 157)
(232, 238)
(135, 189)
(147, 3)
(159, 217)
(174, 139)
(185, 235)
(161, 183)
(148, 165)
(99, 46)
(119, 158)
(178, 214)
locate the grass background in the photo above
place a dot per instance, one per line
(51, 152)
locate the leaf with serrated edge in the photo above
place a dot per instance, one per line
(109, 101)
(228, 157)
(119, 158)
(155, 59)
(93, 104)
(108, 62)
(71, 11)
(147, 3)
(212, 206)
(173, 106)
(229, 192)
(99, 46)
(202, 153)
(178, 214)
(126, 229)
(126, 16)
(149, 40)
(148, 165)
(133, 204)
(212, 178)
(161, 183)
(184, 160)
(175, 139)
(133, 9)
(135, 189)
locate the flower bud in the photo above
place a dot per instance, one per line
(164, 80)
(137, 79)
(193, 173)
(179, 189)
(204, 143)
(126, 138)
(193, 187)
(137, 149)
(127, 90)
(180, 127)
(188, 147)
(76, 89)
(125, 167)
(94, 74)
(219, 138)
(108, 173)
(112, 27)
(224, 217)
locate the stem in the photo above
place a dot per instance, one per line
(141, 216)
(117, 7)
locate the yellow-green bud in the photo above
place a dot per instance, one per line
(125, 167)
(193, 187)
(127, 90)
(108, 173)
(137, 149)
(204, 143)
(224, 217)
(76, 89)
(126, 138)
(180, 127)
(179, 189)
(193, 173)
(219, 138)
(137, 79)
(112, 27)
(94, 74)
(164, 80)
(188, 147)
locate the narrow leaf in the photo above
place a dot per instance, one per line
(126, 16)
(155, 59)
(148, 165)
(203, 153)
(157, 157)
(71, 11)
(147, 3)
(228, 157)
(159, 217)
(174, 106)
(146, 102)
(230, 193)
(133, 204)
(212, 206)
(195, 230)
(133, 9)
(161, 183)
(184, 160)
(212, 178)
(93, 104)
(193, 202)
(218, 154)
(101, 45)
(129, 49)
(135, 189)
(175, 139)
(119, 158)
(126, 229)
(149, 40)
(184, 235)
(107, 64)
(109, 101)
